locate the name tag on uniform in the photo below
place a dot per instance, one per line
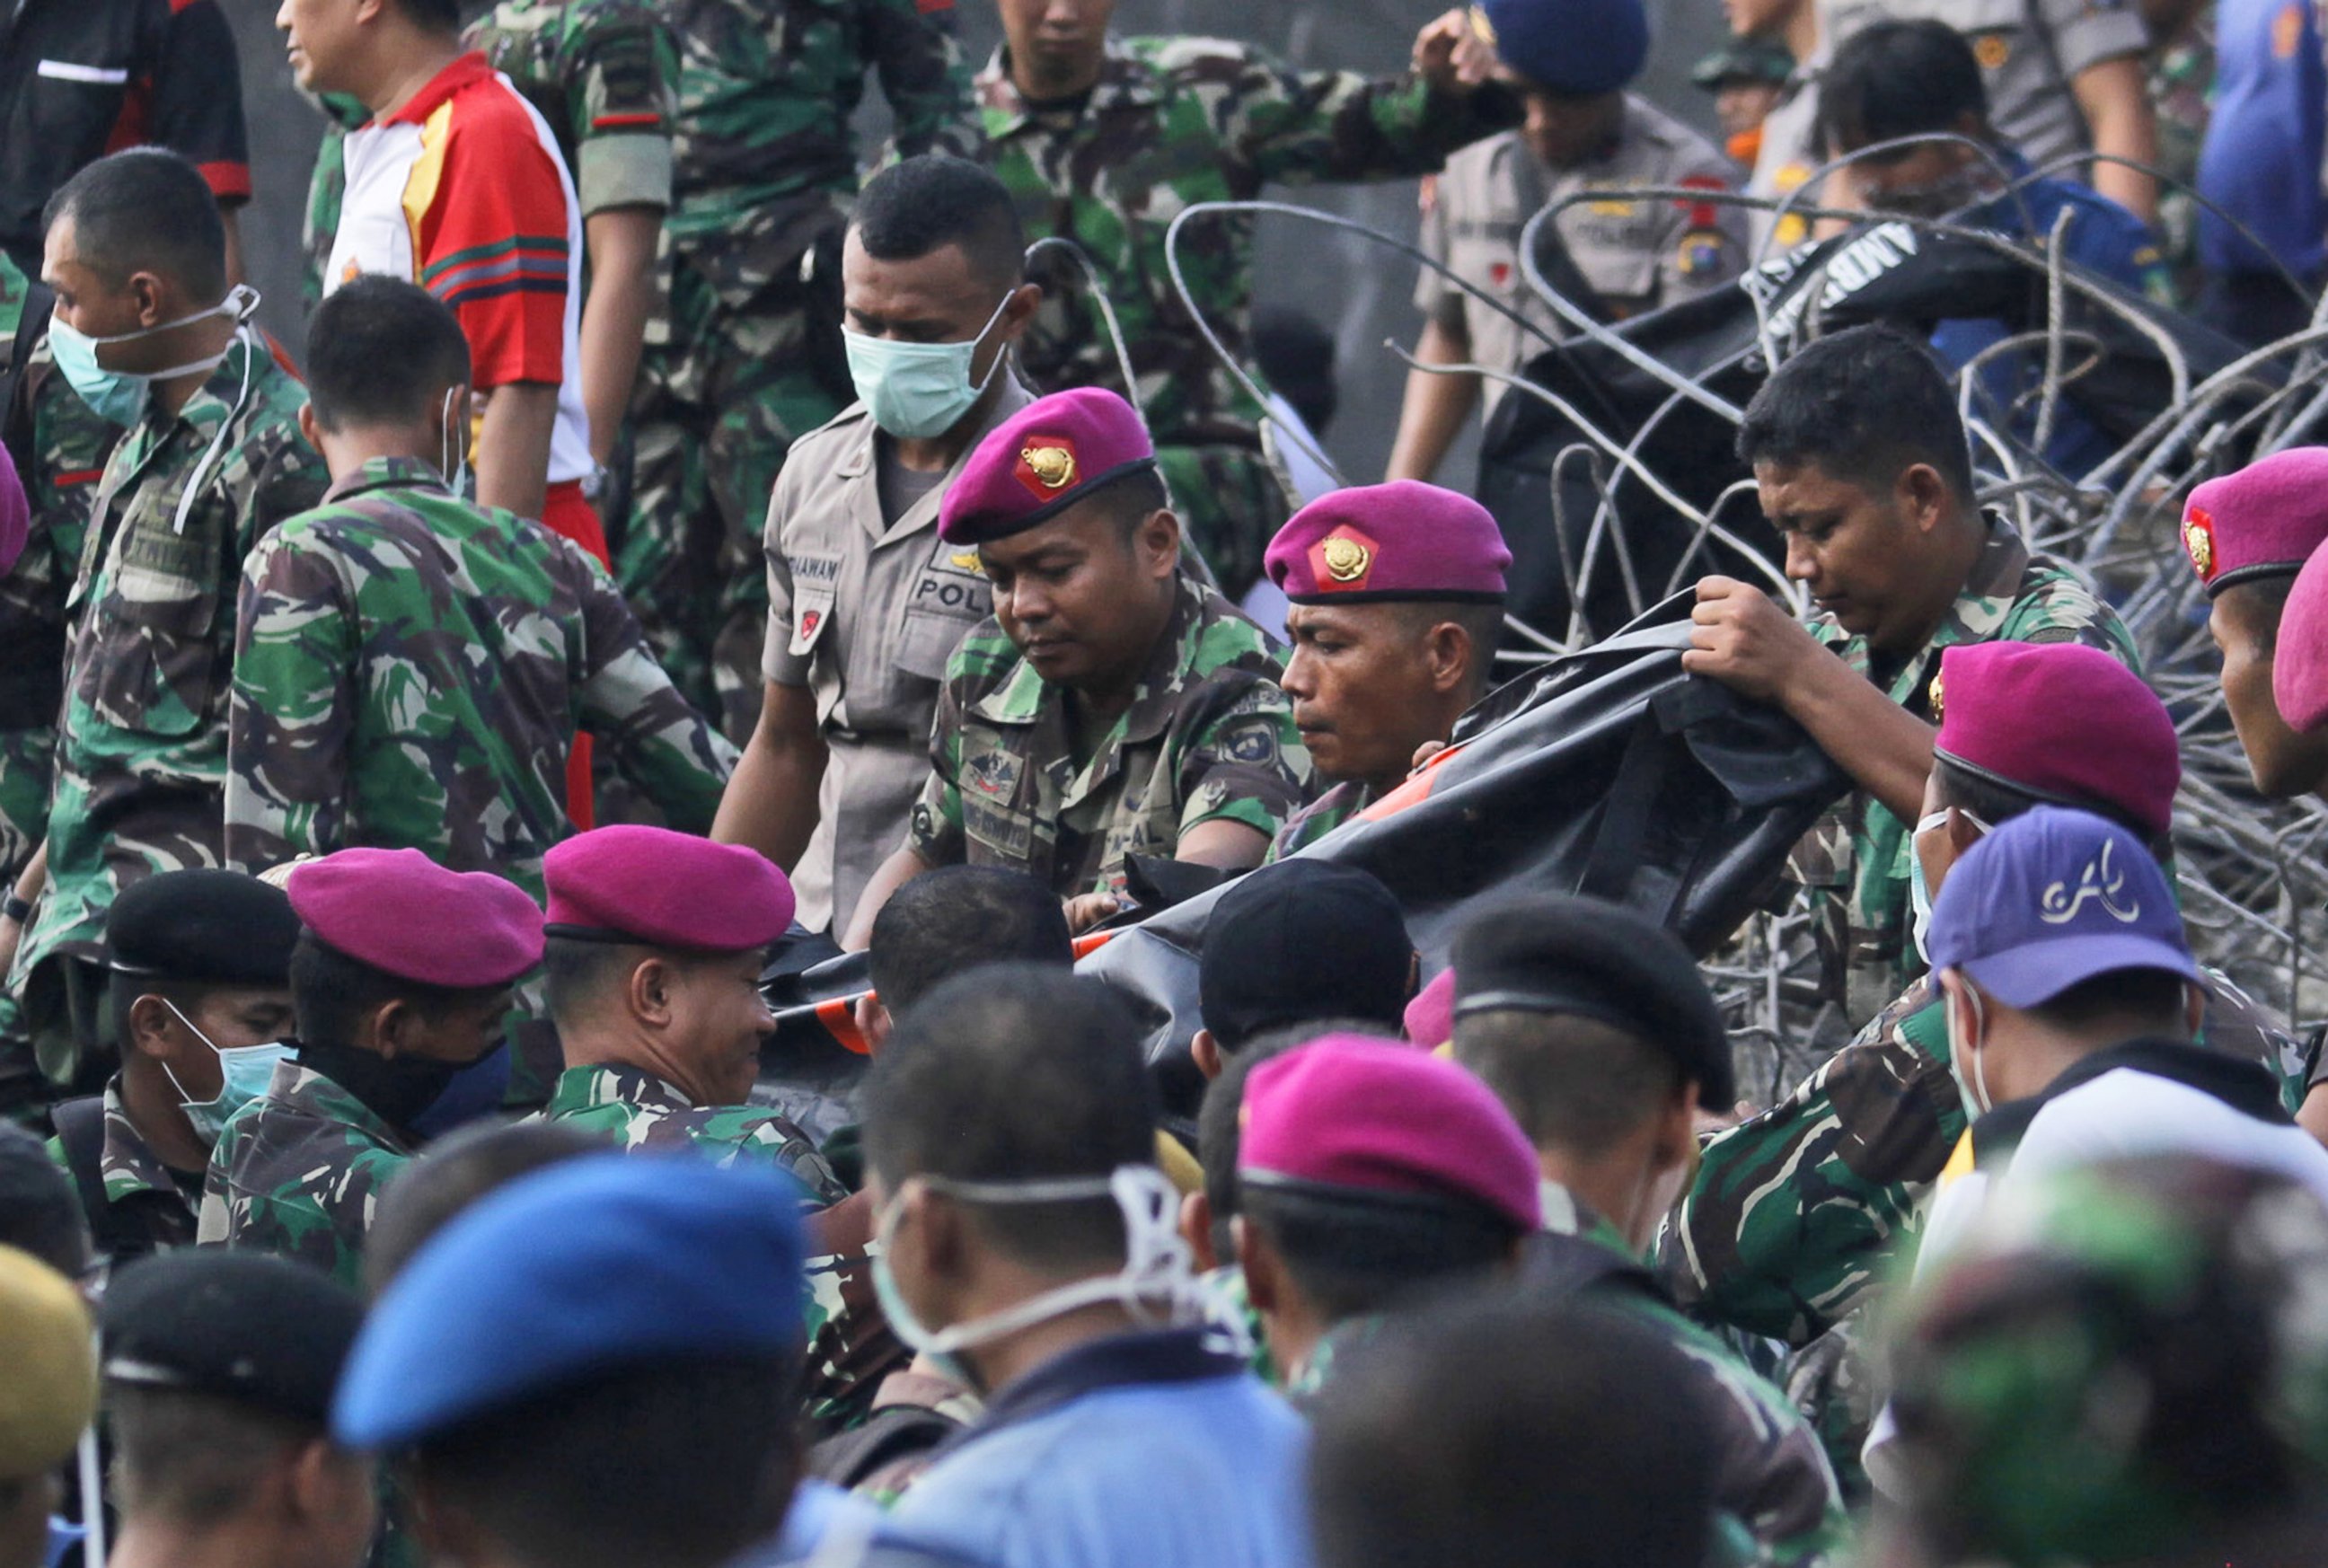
(95, 75)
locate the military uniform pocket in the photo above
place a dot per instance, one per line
(152, 666)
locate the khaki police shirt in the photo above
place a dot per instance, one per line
(2030, 51)
(865, 613)
(1786, 161)
(1637, 254)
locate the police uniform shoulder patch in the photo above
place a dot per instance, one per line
(1254, 745)
(1701, 254)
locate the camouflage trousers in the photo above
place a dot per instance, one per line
(1231, 502)
(27, 768)
(722, 395)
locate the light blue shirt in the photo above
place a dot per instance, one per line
(1139, 1450)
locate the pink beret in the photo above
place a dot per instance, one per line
(2265, 520)
(2299, 670)
(1040, 461)
(404, 915)
(2003, 707)
(1400, 540)
(1375, 1116)
(664, 889)
(1431, 1017)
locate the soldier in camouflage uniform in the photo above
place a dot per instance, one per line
(1396, 598)
(1112, 706)
(1103, 142)
(743, 357)
(1595, 1029)
(675, 1075)
(212, 460)
(410, 667)
(400, 980)
(1797, 1216)
(1899, 566)
(200, 966)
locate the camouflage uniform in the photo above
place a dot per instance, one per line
(141, 749)
(409, 671)
(144, 1199)
(1797, 1216)
(640, 1111)
(1320, 817)
(1854, 862)
(1773, 1477)
(2181, 74)
(604, 74)
(67, 447)
(298, 1171)
(743, 357)
(1171, 122)
(1209, 738)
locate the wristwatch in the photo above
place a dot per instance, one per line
(14, 908)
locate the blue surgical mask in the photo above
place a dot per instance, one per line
(919, 390)
(244, 1073)
(120, 395)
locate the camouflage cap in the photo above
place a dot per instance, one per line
(49, 1391)
(1048, 455)
(2117, 1360)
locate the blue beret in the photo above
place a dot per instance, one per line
(588, 1267)
(1572, 46)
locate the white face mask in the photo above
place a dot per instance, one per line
(1919, 887)
(1968, 1053)
(1157, 1284)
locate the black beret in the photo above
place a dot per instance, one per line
(248, 1327)
(1301, 939)
(1597, 960)
(220, 926)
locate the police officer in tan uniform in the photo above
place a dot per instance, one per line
(865, 602)
(1571, 60)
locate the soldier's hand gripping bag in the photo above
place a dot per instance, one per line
(1894, 271)
(1611, 772)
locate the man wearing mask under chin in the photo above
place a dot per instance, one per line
(200, 994)
(148, 333)
(2072, 1000)
(400, 981)
(866, 603)
(1901, 79)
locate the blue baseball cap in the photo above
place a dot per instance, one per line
(590, 1266)
(2050, 899)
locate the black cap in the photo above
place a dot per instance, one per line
(248, 1327)
(1304, 939)
(1596, 960)
(219, 926)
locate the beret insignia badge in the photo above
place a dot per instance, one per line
(1935, 699)
(2199, 541)
(1346, 560)
(1054, 467)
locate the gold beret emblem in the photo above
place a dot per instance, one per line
(2199, 539)
(1346, 560)
(1054, 465)
(1934, 698)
